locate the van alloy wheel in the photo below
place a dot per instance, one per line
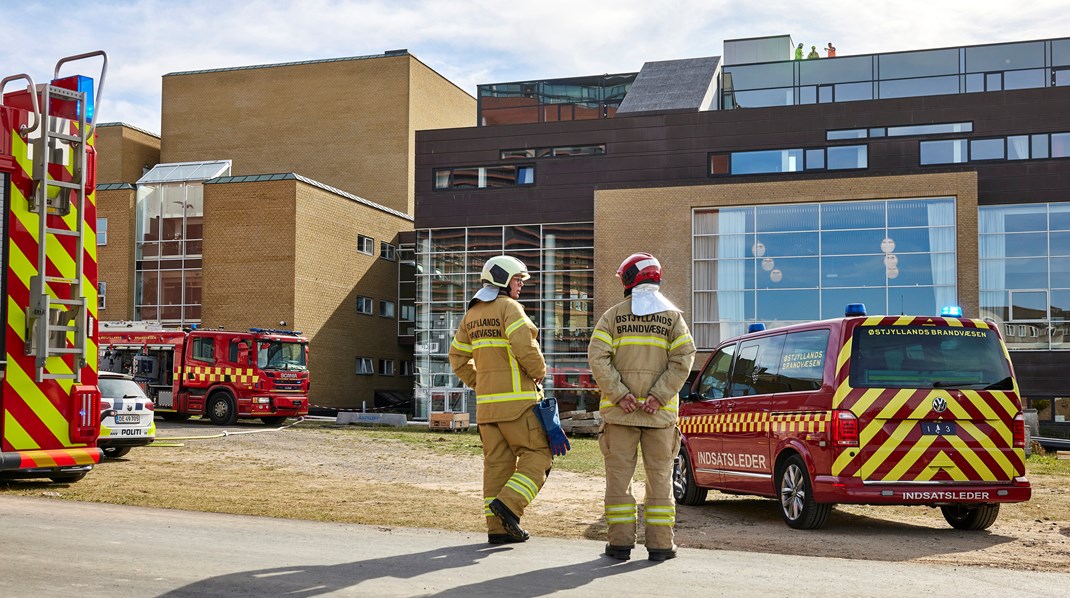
(797, 505)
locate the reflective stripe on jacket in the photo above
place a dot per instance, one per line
(644, 355)
(496, 353)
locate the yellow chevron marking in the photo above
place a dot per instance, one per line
(31, 394)
(845, 354)
(910, 457)
(975, 399)
(989, 447)
(953, 323)
(904, 321)
(894, 440)
(16, 319)
(872, 320)
(19, 439)
(971, 457)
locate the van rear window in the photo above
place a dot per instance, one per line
(928, 357)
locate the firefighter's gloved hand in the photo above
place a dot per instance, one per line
(546, 410)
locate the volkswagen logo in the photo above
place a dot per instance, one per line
(939, 404)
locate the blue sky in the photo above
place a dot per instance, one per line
(472, 41)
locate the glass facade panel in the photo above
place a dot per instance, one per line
(1060, 52)
(835, 301)
(927, 63)
(842, 70)
(815, 159)
(759, 76)
(1060, 145)
(1018, 147)
(951, 151)
(1026, 79)
(987, 149)
(927, 86)
(914, 130)
(1038, 146)
(558, 298)
(800, 265)
(846, 134)
(1004, 57)
(782, 96)
(845, 157)
(767, 161)
(853, 92)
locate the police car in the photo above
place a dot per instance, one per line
(126, 415)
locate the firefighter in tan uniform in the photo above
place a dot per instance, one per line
(640, 353)
(495, 352)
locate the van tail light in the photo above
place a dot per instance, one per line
(1018, 431)
(844, 428)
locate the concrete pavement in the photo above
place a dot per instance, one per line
(63, 548)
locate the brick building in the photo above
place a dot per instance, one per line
(773, 191)
(277, 196)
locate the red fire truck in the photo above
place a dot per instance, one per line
(50, 404)
(220, 374)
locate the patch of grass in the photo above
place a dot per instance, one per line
(1047, 464)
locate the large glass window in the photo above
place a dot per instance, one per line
(558, 298)
(793, 263)
(169, 233)
(1025, 273)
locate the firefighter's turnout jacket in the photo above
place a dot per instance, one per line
(645, 355)
(495, 352)
(498, 336)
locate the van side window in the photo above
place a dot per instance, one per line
(204, 348)
(803, 363)
(757, 367)
(714, 380)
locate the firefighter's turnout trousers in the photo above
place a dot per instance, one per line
(619, 446)
(516, 461)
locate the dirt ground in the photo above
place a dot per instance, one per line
(343, 473)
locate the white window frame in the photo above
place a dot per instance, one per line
(365, 244)
(388, 251)
(407, 368)
(387, 367)
(102, 294)
(364, 366)
(102, 231)
(365, 305)
(385, 305)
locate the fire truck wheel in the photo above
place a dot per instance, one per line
(273, 420)
(971, 518)
(114, 452)
(221, 409)
(797, 505)
(684, 488)
(175, 417)
(68, 478)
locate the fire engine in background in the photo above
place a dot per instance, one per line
(48, 275)
(220, 374)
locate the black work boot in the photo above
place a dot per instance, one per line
(502, 539)
(510, 522)
(621, 553)
(661, 554)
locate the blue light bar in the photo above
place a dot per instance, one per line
(854, 309)
(951, 311)
(85, 85)
(758, 327)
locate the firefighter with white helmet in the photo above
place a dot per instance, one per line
(495, 352)
(640, 353)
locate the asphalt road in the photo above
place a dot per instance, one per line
(62, 548)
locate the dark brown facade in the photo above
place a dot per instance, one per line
(674, 149)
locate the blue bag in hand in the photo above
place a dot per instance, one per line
(546, 410)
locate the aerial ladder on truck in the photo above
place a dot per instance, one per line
(49, 399)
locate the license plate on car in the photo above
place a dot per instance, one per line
(938, 428)
(127, 419)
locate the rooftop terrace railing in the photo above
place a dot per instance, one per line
(965, 69)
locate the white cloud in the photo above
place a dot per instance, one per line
(472, 41)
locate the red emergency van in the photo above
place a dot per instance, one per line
(894, 410)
